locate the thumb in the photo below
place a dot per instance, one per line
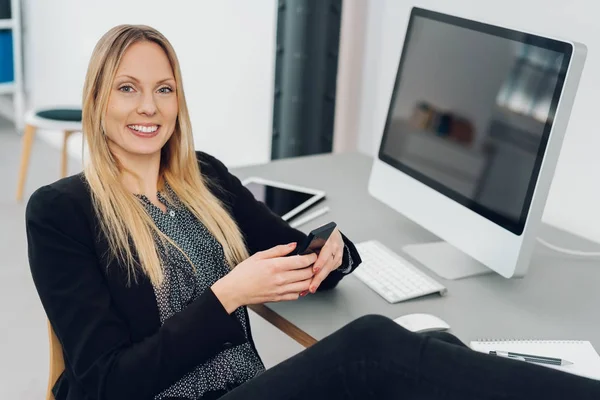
(277, 251)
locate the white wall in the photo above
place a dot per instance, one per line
(225, 47)
(350, 71)
(575, 194)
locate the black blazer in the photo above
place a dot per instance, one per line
(113, 344)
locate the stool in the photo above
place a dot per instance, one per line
(67, 120)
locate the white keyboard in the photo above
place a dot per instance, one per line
(391, 276)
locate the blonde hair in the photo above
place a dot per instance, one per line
(130, 231)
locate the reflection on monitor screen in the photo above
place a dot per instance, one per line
(470, 116)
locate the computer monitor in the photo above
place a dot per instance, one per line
(474, 128)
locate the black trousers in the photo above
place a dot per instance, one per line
(375, 358)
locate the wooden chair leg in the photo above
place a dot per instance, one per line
(27, 141)
(65, 154)
(57, 362)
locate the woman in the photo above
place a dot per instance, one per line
(133, 258)
(146, 261)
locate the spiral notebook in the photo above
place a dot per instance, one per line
(585, 359)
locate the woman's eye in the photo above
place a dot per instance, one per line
(165, 89)
(126, 89)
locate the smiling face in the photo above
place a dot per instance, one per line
(142, 107)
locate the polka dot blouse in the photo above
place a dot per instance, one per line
(182, 285)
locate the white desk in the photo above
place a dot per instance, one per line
(558, 298)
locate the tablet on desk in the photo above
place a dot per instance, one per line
(284, 199)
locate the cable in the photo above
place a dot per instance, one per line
(569, 251)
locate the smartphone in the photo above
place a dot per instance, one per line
(315, 239)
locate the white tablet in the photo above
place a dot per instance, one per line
(283, 199)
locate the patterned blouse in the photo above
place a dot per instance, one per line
(182, 285)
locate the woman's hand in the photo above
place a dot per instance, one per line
(330, 258)
(267, 276)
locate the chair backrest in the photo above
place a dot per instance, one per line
(57, 362)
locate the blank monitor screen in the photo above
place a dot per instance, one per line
(471, 112)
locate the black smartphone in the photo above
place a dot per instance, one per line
(315, 239)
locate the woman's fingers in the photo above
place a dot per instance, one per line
(296, 287)
(294, 262)
(333, 262)
(275, 252)
(297, 275)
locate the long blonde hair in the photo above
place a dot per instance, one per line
(130, 231)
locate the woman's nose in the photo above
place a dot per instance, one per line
(147, 105)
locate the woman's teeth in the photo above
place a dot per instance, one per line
(145, 129)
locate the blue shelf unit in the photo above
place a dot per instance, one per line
(7, 72)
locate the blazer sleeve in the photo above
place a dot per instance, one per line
(96, 343)
(263, 229)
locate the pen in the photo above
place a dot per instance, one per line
(309, 217)
(531, 358)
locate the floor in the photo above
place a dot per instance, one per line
(23, 337)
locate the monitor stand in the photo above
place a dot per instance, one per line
(446, 260)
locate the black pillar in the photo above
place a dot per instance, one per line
(308, 33)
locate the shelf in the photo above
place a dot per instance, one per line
(7, 87)
(6, 24)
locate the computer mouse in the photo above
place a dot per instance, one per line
(422, 323)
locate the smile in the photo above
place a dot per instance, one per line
(143, 128)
